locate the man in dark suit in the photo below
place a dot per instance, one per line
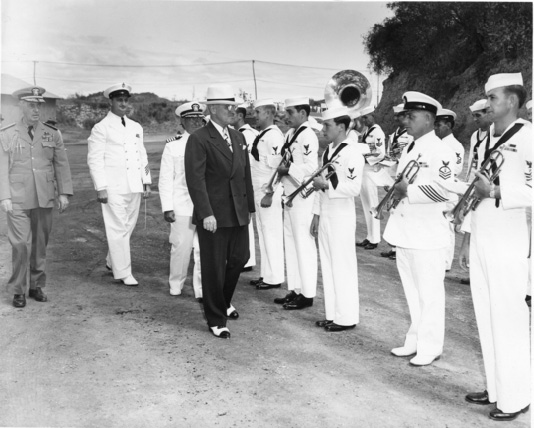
(217, 172)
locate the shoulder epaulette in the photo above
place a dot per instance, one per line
(7, 127)
(175, 138)
(50, 126)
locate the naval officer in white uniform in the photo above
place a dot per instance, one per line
(118, 165)
(176, 204)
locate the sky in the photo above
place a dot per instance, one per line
(176, 49)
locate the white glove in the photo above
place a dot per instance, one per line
(6, 205)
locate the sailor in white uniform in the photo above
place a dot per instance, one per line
(176, 203)
(118, 165)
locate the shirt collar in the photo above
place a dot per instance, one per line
(221, 129)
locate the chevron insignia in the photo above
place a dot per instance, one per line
(445, 171)
(528, 174)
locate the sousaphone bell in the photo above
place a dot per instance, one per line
(348, 88)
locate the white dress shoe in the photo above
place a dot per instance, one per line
(403, 351)
(129, 280)
(221, 332)
(424, 360)
(232, 313)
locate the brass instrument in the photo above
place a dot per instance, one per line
(348, 88)
(303, 189)
(272, 184)
(469, 202)
(388, 202)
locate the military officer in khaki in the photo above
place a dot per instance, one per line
(33, 163)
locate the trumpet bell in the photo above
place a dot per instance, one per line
(348, 88)
(376, 214)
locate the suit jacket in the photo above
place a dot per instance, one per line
(31, 169)
(218, 179)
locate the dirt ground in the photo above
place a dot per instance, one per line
(100, 354)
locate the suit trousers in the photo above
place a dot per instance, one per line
(28, 232)
(369, 197)
(300, 248)
(120, 217)
(183, 238)
(270, 224)
(223, 255)
(422, 273)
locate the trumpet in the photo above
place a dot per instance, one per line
(469, 202)
(388, 202)
(303, 188)
(272, 184)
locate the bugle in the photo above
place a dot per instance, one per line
(302, 189)
(389, 201)
(469, 201)
(272, 184)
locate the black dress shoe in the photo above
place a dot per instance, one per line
(323, 323)
(370, 246)
(528, 300)
(232, 313)
(19, 300)
(387, 254)
(246, 269)
(364, 243)
(286, 299)
(481, 398)
(337, 327)
(465, 281)
(265, 286)
(37, 294)
(393, 256)
(220, 332)
(199, 300)
(299, 302)
(255, 282)
(498, 415)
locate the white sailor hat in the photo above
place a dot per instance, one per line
(264, 102)
(191, 109)
(529, 104)
(418, 101)
(297, 101)
(332, 113)
(354, 114)
(478, 105)
(446, 114)
(32, 94)
(503, 79)
(117, 90)
(367, 110)
(399, 108)
(221, 94)
(314, 124)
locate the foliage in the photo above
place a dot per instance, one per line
(442, 39)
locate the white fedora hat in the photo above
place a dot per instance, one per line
(221, 94)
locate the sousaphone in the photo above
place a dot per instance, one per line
(348, 88)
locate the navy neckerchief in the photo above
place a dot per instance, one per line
(333, 178)
(288, 144)
(254, 151)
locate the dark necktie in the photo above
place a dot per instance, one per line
(123, 122)
(30, 131)
(410, 147)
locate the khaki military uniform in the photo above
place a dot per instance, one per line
(31, 170)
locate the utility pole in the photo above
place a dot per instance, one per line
(255, 85)
(377, 87)
(34, 67)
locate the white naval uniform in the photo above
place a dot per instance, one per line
(250, 134)
(337, 236)
(118, 163)
(299, 244)
(477, 139)
(400, 138)
(373, 175)
(175, 197)
(269, 221)
(420, 232)
(499, 269)
(459, 151)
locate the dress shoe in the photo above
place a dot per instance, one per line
(255, 282)
(424, 360)
(528, 300)
(498, 415)
(337, 327)
(19, 300)
(370, 246)
(465, 281)
(265, 286)
(108, 267)
(387, 254)
(299, 302)
(246, 269)
(129, 280)
(37, 294)
(286, 299)
(221, 332)
(200, 300)
(393, 256)
(232, 313)
(364, 243)
(403, 351)
(481, 398)
(323, 323)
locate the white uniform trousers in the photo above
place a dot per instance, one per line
(251, 245)
(120, 217)
(450, 249)
(369, 197)
(270, 225)
(499, 274)
(301, 252)
(422, 273)
(183, 238)
(339, 267)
